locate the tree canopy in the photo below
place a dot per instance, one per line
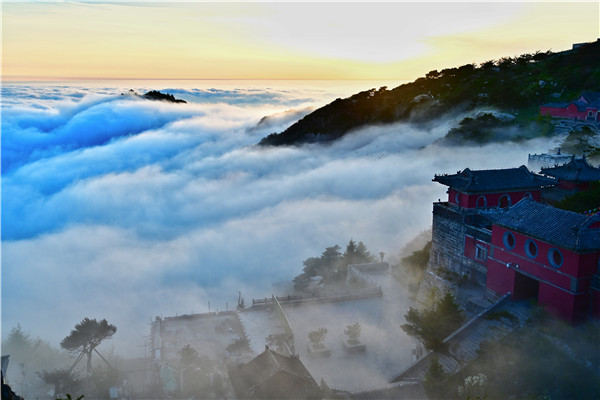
(516, 85)
(87, 335)
(432, 326)
(332, 264)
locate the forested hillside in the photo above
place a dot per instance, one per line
(515, 87)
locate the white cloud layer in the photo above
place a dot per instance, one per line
(124, 209)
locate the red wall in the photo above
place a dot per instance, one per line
(569, 185)
(493, 199)
(569, 112)
(564, 290)
(574, 264)
(500, 279)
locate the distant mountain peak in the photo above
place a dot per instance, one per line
(155, 95)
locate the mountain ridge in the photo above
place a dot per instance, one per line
(516, 86)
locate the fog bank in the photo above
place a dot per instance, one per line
(123, 208)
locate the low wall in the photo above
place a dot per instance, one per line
(358, 273)
(289, 333)
(326, 297)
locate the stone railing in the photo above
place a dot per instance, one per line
(322, 297)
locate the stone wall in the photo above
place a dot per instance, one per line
(448, 244)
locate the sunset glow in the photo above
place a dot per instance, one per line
(199, 40)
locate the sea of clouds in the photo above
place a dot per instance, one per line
(122, 208)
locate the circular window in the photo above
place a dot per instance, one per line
(531, 248)
(555, 257)
(509, 240)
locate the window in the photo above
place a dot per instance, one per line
(509, 240)
(504, 201)
(481, 202)
(531, 248)
(480, 252)
(555, 257)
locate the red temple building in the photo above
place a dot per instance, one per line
(492, 188)
(585, 108)
(576, 175)
(547, 254)
(494, 230)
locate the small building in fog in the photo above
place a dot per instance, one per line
(274, 376)
(585, 108)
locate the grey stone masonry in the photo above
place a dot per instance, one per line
(450, 225)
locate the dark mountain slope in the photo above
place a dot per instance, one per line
(514, 85)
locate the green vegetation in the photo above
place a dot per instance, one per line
(29, 358)
(87, 335)
(578, 143)
(481, 129)
(434, 379)
(353, 333)
(474, 388)
(413, 267)
(317, 338)
(513, 367)
(418, 259)
(156, 95)
(332, 265)
(512, 85)
(432, 325)
(582, 201)
(61, 380)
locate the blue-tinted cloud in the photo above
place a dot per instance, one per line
(123, 209)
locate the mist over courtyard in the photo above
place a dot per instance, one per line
(120, 208)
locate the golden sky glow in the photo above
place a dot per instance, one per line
(339, 40)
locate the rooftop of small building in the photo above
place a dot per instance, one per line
(255, 377)
(565, 229)
(577, 170)
(590, 99)
(492, 180)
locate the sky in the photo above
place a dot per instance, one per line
(278, 40)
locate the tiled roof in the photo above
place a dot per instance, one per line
(581, 105)
(591, 97)
(557, 105)
(565, 229)
(271, 375)
(404, 391)
(490, 180)
(578, 170)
